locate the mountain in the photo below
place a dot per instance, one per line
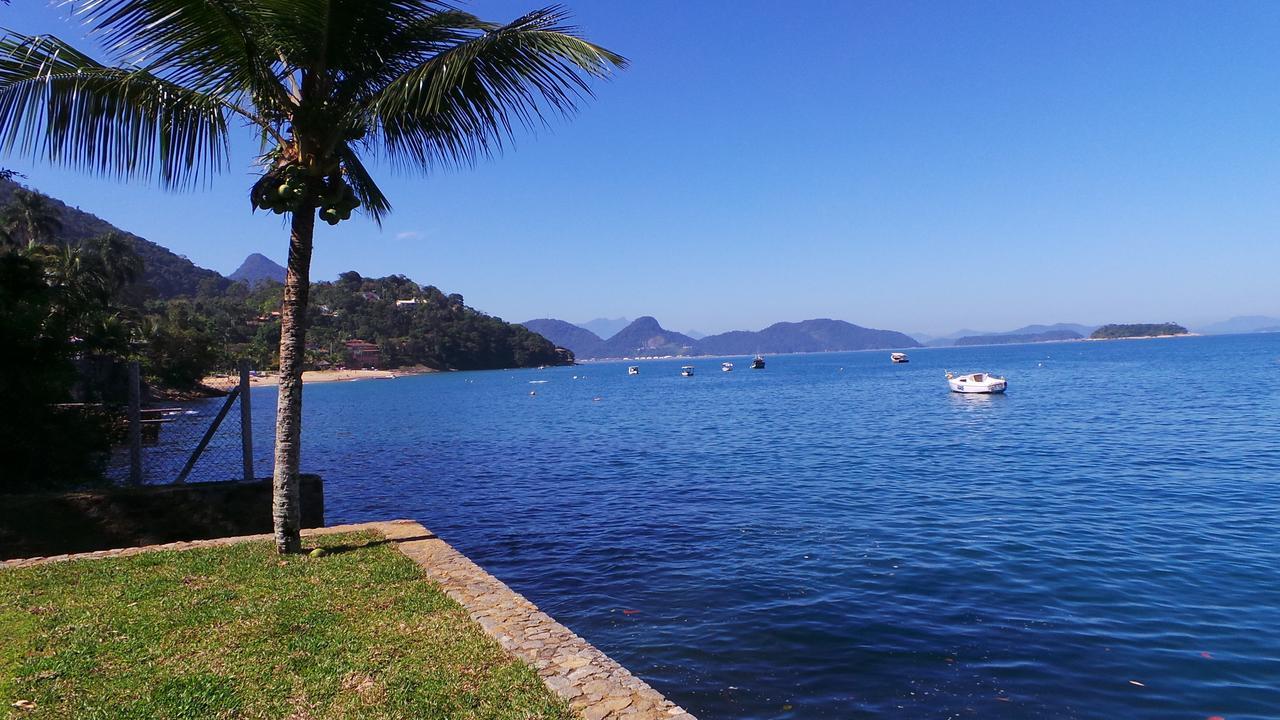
(605, 327)
(1242, 324)
(1013, 338)
(695, 334)
(167, 273)
(257, 268)
(582, 342)
(645, 337)
(821, 335)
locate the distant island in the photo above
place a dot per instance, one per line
(1138, 330)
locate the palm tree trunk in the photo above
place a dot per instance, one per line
(286, 513)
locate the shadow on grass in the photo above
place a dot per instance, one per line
(351, 547)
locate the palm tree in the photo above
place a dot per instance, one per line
(322, 83)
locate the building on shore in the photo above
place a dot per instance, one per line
(363, 355)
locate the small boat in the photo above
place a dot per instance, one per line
(687, 371)
(633, 370)
(757, 363)
(899, 357)
(976, 383)
(726, 367)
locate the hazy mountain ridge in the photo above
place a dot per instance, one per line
(604, 328)
(1017, 338)
(167, 273)
(1027, 333)
(1243, 324)
(581, 341)
(645, 336)
(817, 335)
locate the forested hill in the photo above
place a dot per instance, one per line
(415, 325)
(1115, 331)
(165, 272)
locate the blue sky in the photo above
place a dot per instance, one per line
(914, 166)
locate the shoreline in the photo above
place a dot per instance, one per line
(272, 379)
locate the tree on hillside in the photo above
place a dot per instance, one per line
(322, 82)
(29, 220)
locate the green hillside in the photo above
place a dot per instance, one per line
(165, 273)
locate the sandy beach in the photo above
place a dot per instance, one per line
(226, 382)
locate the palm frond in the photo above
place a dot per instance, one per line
(216, 46)
(121, 122)
(465, 101)
(372, 201)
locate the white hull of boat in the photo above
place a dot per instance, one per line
(977, 383)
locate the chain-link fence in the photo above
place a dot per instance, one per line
(193, 441)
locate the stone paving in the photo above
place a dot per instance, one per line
(596, 686)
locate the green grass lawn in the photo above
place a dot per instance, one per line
(239, 632)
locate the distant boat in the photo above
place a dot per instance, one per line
(977, 383)
(758, 363)
(687, 371)
(726, 367)
(899, 357)
(633, 370)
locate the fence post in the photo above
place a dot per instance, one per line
(246, 422)
(135, 422)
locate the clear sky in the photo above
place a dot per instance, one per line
(918, 166)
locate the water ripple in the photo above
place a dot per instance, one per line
(818, 542)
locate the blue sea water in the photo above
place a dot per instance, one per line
(839, 537)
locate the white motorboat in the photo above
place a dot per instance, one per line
(687, 371)
(726, 367)
(976, 383)
(899, 357)
(633, 370)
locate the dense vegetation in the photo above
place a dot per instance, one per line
(72, 308)
(1111, 332)
(164, 274)
(412, 324)
(106, 300)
